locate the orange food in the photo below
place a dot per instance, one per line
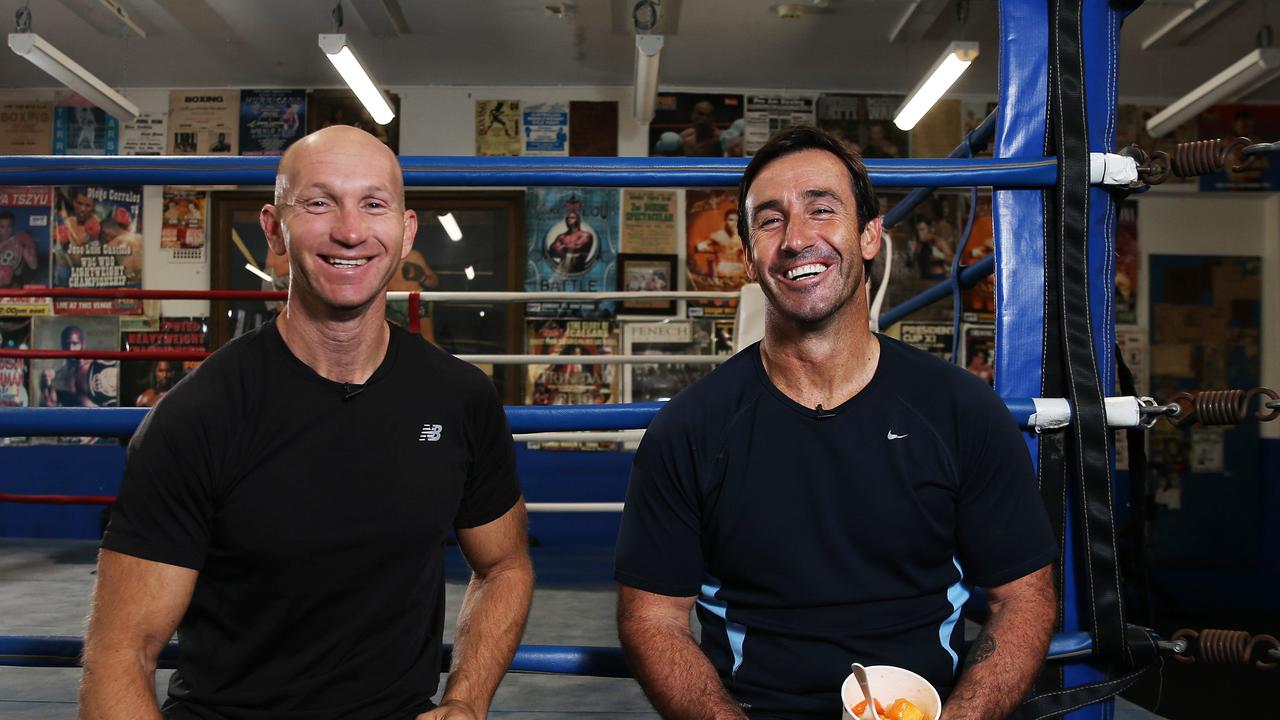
(903, 709)
(860, 707)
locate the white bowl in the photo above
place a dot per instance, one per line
(888, 683)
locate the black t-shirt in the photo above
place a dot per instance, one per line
(811, 542)
(316, 517)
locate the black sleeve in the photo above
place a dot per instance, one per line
(166, 504)
(1003, 530)
(492, 487)
(660, 540)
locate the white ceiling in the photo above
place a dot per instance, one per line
(715, 44)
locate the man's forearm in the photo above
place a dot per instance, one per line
(118, 687)
(489, 627)
(675, 675)
(1004, 660)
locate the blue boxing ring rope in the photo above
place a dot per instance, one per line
(1019, 175)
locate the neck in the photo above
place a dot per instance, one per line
(821, 365)
(345, 349)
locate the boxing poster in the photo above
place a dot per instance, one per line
(24, 247)
(97, 243)
(546, 128)
(571, 245)
(498, 127)
(15, 334)
(1127, 263)
(649, 221)
(661, 381)
(714, 257)
(933, 338)
(75, 382)
(204, 122)
(271, 120)
(182, 236)
(920, 248)
(1259, 123)
(26, 127)
(979, 301)
(571, 378)
(979, 351)
(144, 382)
(1131, 129)
(342, 107)
(82, 128)
(864, 123)
(145, 135)
(697, 125)
(767, 114)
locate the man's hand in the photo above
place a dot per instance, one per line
(450, 710)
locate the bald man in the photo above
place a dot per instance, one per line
(285, 506)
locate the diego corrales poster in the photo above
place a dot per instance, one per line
(97, 244)
(571, 245)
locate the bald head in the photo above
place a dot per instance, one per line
(335, 140)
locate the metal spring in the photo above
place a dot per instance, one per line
(1224, 407)
(1227, 646)
(1205, 157)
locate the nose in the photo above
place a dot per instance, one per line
(349, 225)
(798, 235)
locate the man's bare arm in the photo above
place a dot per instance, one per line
(492, 616)
(137, 605)
(1003, 661)
(675, 675)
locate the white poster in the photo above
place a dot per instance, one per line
(767, 114)
(546, 128)
(144, 136)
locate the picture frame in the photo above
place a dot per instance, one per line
(647, 271)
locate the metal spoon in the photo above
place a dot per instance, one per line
(860, 674)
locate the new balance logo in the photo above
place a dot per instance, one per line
(896, 437)
(430, 433)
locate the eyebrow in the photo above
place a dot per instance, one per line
(325, 188)
(810, 194)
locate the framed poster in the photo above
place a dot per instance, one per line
(648, 272)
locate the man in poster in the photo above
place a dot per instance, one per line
(18, 257)
(572, 250)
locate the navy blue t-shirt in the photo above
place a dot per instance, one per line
(811, 542)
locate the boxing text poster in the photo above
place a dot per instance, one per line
(97, 243)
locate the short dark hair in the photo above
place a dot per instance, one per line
(798, 138)
(6, 215)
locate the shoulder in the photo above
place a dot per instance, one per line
(441, 368)
(705, 409)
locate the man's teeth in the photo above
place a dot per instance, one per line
(341, 262)
(805, 271)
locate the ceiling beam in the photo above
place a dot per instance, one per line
(1188, 24)
(381, 17)
(916, 20)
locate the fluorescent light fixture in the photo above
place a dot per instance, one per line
(339, 53)
(256, 271)
(70, 73)
(648, 53)
(954, 61)
(1247, 74)
(1188, 24)
(470, 272)
(450, 226)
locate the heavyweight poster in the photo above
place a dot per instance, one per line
(546, 128)
(26, 127)
(697, 125)
(146, 135)
(1259, 123)
(649, 221)
(767, 114)
(97, 244)
(271, 120)
(144, 382)
(182, 236)
(82, 128)
(864, 123)
(571, 245)
(24, 247)
(341, 107)
(204, 122)
(571, 378)
(714, 259)
(661, 381)
(498, 127)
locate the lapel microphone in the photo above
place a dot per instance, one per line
(821, 414)
(351, 391)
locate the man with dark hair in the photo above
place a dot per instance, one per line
(827, 495)
(285, 507)
(18, 257)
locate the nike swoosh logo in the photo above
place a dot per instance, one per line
(896, 437)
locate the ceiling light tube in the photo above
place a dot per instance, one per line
(648, 54)
(1247, 74)
(339, 53)
(265, 277)
(950, 66)
(470, 272)
(70, 73)
(450, 226)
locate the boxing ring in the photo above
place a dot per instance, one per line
(1053, 262)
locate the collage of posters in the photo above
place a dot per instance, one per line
(571, 245)
(97, 243)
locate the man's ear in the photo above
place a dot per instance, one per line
(871, 238)
(410, 232)
(749, 260)
(269, 218)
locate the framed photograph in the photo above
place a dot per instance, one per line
(647, 272)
